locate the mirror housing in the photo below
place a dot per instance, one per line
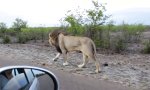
(27, 78)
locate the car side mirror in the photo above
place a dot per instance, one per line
(27, 78)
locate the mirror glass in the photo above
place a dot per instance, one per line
(26, 79)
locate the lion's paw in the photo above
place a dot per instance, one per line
(81, 66)
(55, 59)
(65, 64)
(97, 71)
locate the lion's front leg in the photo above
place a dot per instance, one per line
(56, 57)
(65, 59)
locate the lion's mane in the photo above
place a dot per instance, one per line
(54, 35)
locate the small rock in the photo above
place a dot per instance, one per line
(72, 71)
(78, 69)
(92, 72)
(146, 68)
(44, 64)
(118, 63)
(50, 63)
(61, 69)
(105, 64)
(105, 77)
(133, 68)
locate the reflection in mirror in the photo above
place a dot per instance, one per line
(26, 79)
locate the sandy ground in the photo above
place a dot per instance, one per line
(131, 70)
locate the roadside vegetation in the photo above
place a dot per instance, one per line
(92, 23)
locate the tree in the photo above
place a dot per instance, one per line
(96, 15)
(3, 27)
(73, 20)
(18, 24)
(91, 18)
(74, 23)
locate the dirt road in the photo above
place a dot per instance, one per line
(70, 81)
(70, 77)
(121, 73)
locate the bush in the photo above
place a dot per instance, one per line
(33, 34)
(120, 45)
(147, 47)
(6, 39)
(22, 38)
(11, 32)
(3, 27)
(132, 33)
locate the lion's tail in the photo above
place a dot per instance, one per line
(94, 48)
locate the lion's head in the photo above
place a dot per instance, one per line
(53, 38)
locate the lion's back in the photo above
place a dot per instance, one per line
(80, 42)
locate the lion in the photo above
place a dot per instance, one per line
(65, 43)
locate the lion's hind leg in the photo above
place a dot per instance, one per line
(93, 57)
(85, 61)
(97, 67)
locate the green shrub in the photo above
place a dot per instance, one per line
(37, 33)
(6, 39)
(132, 33)
(11, 32)
(147, 47)
(120, 45)
(22, 38)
